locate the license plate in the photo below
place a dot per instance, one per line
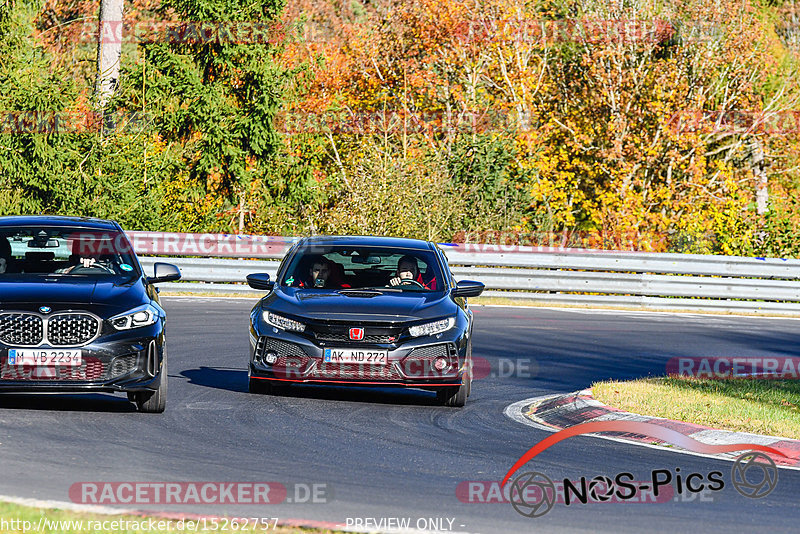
(48, 357)
(369, 357)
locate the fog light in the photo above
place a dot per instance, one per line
(440, 363)
(271, 357)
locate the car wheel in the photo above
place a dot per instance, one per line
(153, 401)
(453, 396)
(259, 387)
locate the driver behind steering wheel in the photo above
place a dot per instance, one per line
(408, 274)
(85, 258)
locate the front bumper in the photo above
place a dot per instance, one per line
(121, 362)
(410, 364)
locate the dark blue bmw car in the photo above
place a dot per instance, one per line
(77, 313)
(363, 311)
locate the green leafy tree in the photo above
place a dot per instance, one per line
(35, 161)
(216, 97)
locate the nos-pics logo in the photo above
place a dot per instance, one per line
(533, 494)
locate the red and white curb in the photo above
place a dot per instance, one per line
(557, 412)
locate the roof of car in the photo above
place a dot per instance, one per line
(367, 241)
(54, 220)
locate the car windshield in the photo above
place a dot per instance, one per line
(381, 268)
(38, 250)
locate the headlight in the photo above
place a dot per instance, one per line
(283, 323)
(430, 329)
(135, 318)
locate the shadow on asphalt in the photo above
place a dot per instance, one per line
(66, 403)
(377, 395)
(236, 380)
(218, 378)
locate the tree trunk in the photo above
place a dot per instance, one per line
(760, 174)
(109, 50)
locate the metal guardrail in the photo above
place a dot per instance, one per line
(581, 277)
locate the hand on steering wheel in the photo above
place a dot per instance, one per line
(397, 281)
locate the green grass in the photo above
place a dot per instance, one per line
(770, 407)
(14, 516)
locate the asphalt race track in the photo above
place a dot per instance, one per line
(393, 453)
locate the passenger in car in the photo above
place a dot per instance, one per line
(318, 273)
(408, 270)
(324, 273)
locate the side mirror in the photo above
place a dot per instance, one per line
(260, 281)
(164, 272)
(468, 288)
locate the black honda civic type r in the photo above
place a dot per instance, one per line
(77, 313)
(362, 311)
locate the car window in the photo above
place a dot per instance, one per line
(343, 267)
(65, 251)
(448, 271)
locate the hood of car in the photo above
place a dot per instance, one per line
(359, 306)
(61, 293)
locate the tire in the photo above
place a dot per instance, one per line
(259, 387)
(454, 396)
(153, 401)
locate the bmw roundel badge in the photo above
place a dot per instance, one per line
(45, 309)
